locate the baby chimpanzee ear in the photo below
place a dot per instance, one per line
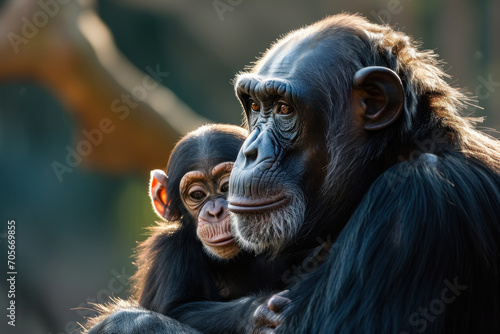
(158, 194)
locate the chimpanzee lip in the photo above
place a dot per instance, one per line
(220, 220)
(220, 240)
(246, 205)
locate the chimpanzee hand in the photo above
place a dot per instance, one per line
(269, 315)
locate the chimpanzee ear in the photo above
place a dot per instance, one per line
(377, 96)
(158, 194)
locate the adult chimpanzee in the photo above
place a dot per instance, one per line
(195, 258)
(355, 134)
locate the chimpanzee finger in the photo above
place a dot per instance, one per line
(277, 303)
(264, 317)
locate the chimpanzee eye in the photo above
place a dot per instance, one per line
(255, 106)
(225, 187)
(197, 195)
(284, 109)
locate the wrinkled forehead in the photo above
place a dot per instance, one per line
(207, 174)
(206, 170)
(295, 57)
(287, 70)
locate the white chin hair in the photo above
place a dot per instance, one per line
(270, 231)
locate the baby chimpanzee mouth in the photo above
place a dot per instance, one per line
(221, 240)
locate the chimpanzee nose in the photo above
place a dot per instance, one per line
(249, 149)
(216, 208)
(258, 147)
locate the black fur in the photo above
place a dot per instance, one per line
(423, 225)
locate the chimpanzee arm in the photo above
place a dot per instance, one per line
(220, 317)
(139, 321)
(421, 253)
(208, 317)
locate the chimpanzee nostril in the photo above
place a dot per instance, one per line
(250, 146)
(251, 152)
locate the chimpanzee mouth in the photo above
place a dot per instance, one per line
(222, 240)
(245, 205)
(213, 220)
(267, 226)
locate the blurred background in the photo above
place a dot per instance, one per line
(82, 121)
